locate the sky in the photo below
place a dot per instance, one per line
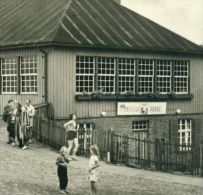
(184, 17)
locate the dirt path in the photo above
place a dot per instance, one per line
(33, 172)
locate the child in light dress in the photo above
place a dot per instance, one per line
(93, 167)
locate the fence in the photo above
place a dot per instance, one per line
(53, 134)
(117, 148)
(147, 154)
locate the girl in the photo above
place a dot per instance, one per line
(93, 167)
(24, 128)
(62, 163)
(71, 137)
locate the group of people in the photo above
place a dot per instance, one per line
(62, 163)
(19, 126)
(19, 123)
(68, 153)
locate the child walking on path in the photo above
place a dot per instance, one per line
(62, 162)
(93, 167)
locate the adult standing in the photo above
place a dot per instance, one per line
(6, 117)
(18, 133)
(31, 112)
(25, 128)
(71, 137)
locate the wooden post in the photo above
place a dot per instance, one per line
(85, 139)
(38, 124)
(201, 159)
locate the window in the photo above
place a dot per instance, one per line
(145, 76)
(106, 74)
(84, 74)
(181, 74)
(164, 74)
(19, 75)
(184, 133)
(28, 73)
(9, 75)
(111, 75)
(126, 75)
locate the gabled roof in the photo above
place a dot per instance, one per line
(84, 23)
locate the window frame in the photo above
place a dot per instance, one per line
(107, 75)
(186, 145)
(154, 75)
(84, 74)
(19, 75)
(28, 74)
(9, 75)
(146, 76)
(186, 77)
(164, 76)
(126, 75)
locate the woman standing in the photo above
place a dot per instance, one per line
(71, 137)
(18, 133)
(25, 125)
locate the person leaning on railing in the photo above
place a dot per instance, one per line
(71, 137)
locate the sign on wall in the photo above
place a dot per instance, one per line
(141, 108)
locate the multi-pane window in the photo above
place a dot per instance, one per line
(9, 75)
(145, 76)
(185, 132)
(106, 74)
(84, 74)
(18, 75)
(126, 75)
(28, 74)
(111, 75)
(181, 75)
(164, 75)
(140, 125)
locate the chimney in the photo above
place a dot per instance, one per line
(118, 1)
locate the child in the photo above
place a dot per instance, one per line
(71, 137)
(62, 162)
(93, 167)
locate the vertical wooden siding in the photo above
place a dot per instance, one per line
(62, 85)
(36, 98)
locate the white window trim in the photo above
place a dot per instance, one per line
(84, 74)
(186, 131)
(166, 76)
(28, 74)
(7, 75)
(112, 75)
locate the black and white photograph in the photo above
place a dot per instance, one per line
(101, 97)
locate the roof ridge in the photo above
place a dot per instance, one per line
(61, 18)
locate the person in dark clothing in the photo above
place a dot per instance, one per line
(11, 127)
(7, 117)
(62, 162)
(18, 130)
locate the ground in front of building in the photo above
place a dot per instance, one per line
(33, 172)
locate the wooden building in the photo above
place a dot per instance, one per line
(111, 66)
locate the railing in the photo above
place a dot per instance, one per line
(118, 148)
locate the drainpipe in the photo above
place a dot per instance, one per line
(45, 74)
(45, 55)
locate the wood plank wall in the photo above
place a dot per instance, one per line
(36, 98)
(61, 84)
